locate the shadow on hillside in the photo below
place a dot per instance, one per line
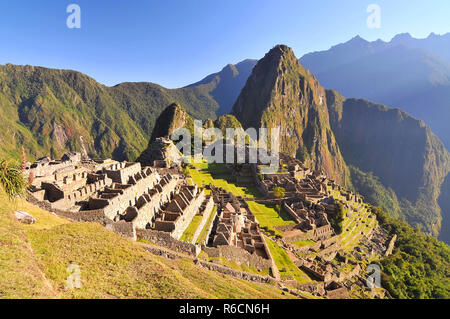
(444, 202)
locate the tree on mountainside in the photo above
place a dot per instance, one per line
(336, 219)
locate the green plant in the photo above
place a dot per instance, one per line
(12, 180)
(337, 218)
(279, 192)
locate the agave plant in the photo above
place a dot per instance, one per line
(12, 180)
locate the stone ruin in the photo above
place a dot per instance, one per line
(116, 193)
(236, 233)
(311, 218)
(176, 216)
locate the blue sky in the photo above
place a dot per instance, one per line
(178, 42)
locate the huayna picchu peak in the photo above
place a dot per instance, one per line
(280, 92)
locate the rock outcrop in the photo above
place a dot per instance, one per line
(24, 217)
(160, 147)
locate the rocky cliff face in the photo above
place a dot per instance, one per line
(171, 119)
(280, 92)
(399, 149)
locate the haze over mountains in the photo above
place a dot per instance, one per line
(411, 74)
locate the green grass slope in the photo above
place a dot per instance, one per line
(34, 261)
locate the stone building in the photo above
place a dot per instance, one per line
(176, 216)
(236, 225)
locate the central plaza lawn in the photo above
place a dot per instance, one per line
(219, 175)
(268, 216)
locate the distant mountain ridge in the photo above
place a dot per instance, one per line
(50, 111)
(411, 74)
(225, 86)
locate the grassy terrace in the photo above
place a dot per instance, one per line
(188, 234)
(202, 237)
(268, 217)
(283, 262)
(361, 222)
(303, 243)
(219, 176)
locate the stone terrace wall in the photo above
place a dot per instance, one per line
(166, 240)
(82, 216)
(238, 255)
(189, 212)
(121, 172)
(234, 273)
(123, 229)
(121, 202)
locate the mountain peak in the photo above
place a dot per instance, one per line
(358, 40)
(281, 93)
(172, 117)
(280, 50)
(230, 70)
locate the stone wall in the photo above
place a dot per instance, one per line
(234, 273)
(82, 216)
(291, 212)
(121, 172)
(152, 204)
(238, 255)
(166, 240)
(189, 212)
(390, 246)
(123, 229)
(127, 195)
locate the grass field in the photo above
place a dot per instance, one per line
(303, 243)
(219, 176)
(268, 216)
